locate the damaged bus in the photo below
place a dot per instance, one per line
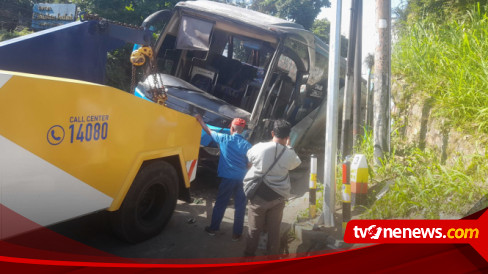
(223, 61)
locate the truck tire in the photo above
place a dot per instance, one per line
(148, 205)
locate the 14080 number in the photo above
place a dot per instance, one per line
(89, 132)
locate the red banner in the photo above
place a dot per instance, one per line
(440, 246)
(473, 232)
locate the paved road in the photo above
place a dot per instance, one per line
(184, 236)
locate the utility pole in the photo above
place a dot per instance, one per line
(369, 100)
(357, 75)
(346, 134)
(381, 121)
(330, 157)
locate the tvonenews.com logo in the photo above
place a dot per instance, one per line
(413, 231)
(375, 232)
(468, 231)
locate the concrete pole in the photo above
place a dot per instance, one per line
(369, 102)
(381, 95)
(312, 186)
(356, 124)
(332, 118)
(346, 134)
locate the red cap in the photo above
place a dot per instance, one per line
(239, 122)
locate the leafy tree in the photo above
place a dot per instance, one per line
(265, 6)
(15, 12)
(321, 28)
(302, 12)
(436, 11)
(127, 11)
(239, 3)
(369, 61)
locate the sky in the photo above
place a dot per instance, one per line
(370, 36)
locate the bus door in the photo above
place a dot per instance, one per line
(282, 98)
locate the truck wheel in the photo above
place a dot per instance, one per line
(148, 205)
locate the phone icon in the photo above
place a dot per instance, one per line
(55, 135)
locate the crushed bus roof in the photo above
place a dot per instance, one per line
(238, 14)
(267, 23)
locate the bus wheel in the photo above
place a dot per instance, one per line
(149, 204)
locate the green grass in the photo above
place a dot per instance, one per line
(446, 63)
(319, 202)
(449, 63)
(423, 187)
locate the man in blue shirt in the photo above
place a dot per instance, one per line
(232, 169)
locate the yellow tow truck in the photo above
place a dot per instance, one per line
(70, 146)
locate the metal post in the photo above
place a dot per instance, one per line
(313, 186)
(369, 102)
(356, 121)
(346, 192)
(346, 135)
(332, 118)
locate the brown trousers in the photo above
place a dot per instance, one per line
(264, 216)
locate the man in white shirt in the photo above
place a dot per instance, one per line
(265, 209)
